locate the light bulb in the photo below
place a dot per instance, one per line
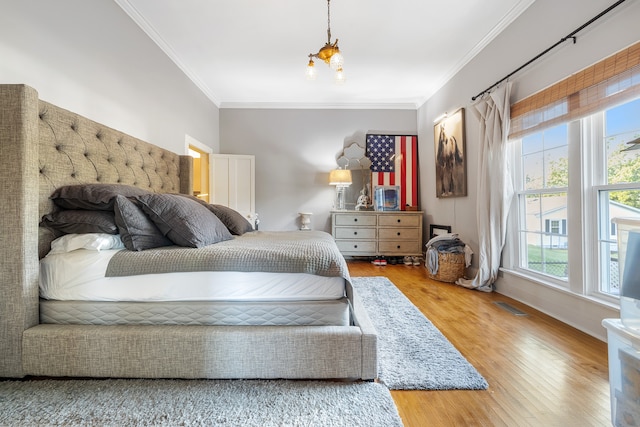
(339, 77)
(311, 73)
(311, 70)
(337, 61)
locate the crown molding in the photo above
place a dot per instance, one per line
(318, 106)
(506, 20)
(133, 13)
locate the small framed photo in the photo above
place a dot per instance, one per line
(387, 198)
(437, 230)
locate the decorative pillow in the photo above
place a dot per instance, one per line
(80, 221)
(232, 219)
(185, 221)
(93, 196)
(91, 241)
(137, 231)
(235, 222)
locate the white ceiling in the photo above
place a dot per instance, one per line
(253, 53)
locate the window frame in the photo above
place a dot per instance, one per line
(588, 171)
(515, 258)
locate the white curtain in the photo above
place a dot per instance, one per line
(495, 187)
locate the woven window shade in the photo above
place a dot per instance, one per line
(611, 81)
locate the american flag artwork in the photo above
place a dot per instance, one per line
(394, 161)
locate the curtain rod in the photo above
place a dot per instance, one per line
(572, 36)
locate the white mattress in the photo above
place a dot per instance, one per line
(80, 275)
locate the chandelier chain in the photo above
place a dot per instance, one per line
(329, 21)
(329, 54)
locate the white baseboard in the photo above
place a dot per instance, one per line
(581, 312)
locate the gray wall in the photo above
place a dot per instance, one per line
(91, 58)
(296, 149)
(544, 23)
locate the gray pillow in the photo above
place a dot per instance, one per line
(235, 222)
(80, 221)
(137, 231)
(184, 221)
(93, 196)
(232, 219)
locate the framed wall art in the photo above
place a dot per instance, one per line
(437, 230)
(394, 162)
(386, 198)
(451, 162)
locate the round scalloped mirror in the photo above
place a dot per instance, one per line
(354, 158)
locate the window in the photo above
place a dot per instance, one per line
(618, 190)
(565, 201)
(555, 226)
(542, 185)
(575, 171)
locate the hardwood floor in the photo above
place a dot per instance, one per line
(541, 372)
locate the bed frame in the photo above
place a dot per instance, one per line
(44, 147)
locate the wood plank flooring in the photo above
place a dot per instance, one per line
(541, 372)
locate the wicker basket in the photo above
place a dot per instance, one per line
(450, 267)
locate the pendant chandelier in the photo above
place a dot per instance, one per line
(329, 53)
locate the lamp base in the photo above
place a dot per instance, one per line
(339, 203)
(305, 220)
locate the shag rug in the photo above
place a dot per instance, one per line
(412, 353)
(235, 403)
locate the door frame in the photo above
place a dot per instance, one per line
(191, 142)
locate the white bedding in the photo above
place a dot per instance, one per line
(80, 275)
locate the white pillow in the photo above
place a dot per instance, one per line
(91, 241)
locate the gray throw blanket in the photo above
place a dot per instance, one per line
(312, 252)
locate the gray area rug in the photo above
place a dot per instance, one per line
(412, 353)
(243, 403)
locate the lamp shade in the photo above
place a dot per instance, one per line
(340, 177)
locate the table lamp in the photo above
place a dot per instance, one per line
(341, 178)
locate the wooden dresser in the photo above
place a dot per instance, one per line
(373, 233)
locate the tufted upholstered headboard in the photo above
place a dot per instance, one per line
(76, 150)
(43, 147)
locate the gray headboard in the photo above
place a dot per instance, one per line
(76, 150)
(43, 147)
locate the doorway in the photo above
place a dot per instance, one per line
(200, 172)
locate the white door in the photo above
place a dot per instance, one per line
(234, 183)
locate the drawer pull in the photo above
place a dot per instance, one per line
(355, 233)
(399, 220)
(355, 246)
(398, 233)
(398, 247)
(355, 219)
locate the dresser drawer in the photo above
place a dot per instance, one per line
(354, 247)
(399, 233)
(400, 220)
(400, 247)
(354, 219)
(355, 233)
(372, 233)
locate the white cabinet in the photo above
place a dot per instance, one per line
(372, 233)
(624, 373)
(234, 183)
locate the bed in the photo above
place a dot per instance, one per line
(317, 328)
